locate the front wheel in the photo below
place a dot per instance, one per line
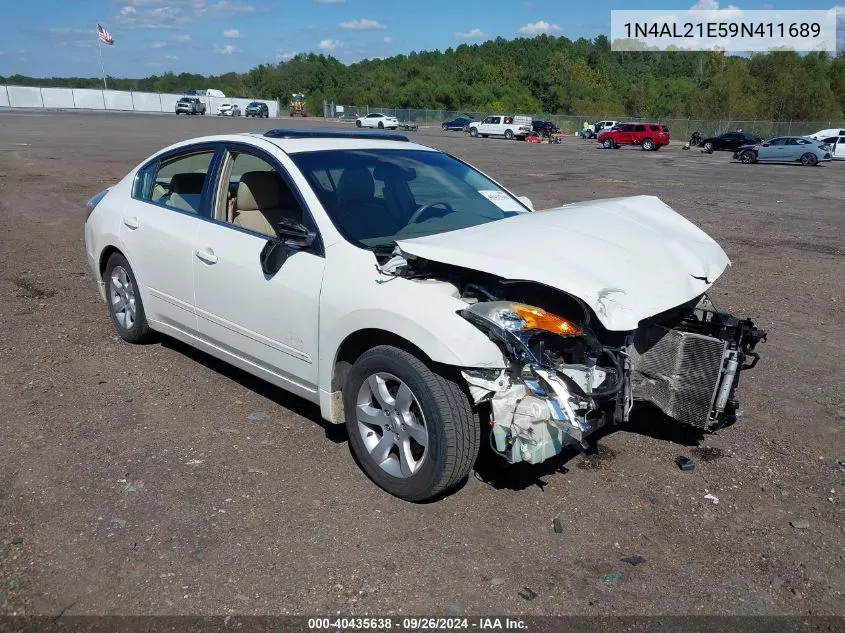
(809, 160)
(380, 125)
(357, 124)
(445, 127)
(410, 429)
(747, 157)
(473, 132)
(509, 134)
(708, 146)
(607, 143)
(124, 300)
(648, 145)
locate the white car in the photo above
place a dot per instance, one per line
(377, 120)
(228, 109)
(417, 300)
(834, 139)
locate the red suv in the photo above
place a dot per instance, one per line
(649, 136)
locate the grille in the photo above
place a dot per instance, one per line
(677, 371)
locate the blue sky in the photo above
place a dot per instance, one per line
(58, 37)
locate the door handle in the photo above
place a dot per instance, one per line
(131, 223)
(207, 255)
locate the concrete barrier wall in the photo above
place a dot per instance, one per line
(24, 97)
(146, 101)
(78, 98)
(118, 100)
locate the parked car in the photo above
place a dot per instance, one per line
(228, 109)
(600, 126)
(378, 120)
(825, 134)
(511, 126)
(729, 141)
(836, 144)
(649, 136)
(459, 123)
(544, 128)
(258, 109)
(190, 105)
(271, 252)
(785, 149)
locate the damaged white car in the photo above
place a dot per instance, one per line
(417, 300)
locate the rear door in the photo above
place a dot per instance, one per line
(157, 230)
(839, 150)
(773, 150)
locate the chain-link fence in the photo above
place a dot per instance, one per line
(680, 129)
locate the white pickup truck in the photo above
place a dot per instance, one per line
(508, 125)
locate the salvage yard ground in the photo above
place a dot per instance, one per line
(154, 479)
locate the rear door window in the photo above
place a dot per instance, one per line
(179, 181)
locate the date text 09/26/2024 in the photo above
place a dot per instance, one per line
(416, 623)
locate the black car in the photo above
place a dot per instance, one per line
(544, 128)
(256, 108)
(459, 124)
(729, 141)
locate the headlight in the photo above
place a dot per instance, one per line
(518, 317)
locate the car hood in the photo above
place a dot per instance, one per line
(626, 258)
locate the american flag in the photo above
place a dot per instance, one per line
(104, 36)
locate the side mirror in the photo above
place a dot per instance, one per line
(526, 201)
(292, 236)
(766, 144)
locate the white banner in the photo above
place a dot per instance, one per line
(731, 30)
(60, 98)
(146, 101)
(4, 97)
(89, 99)
(118, 100)
(24, 97)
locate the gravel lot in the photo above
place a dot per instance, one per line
(156, 480)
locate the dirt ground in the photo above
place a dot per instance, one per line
(156, 480)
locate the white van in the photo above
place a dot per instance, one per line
(508, 125)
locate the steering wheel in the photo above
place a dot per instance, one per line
(419, 212)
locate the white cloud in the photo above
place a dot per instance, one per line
(711, 7)
(472, 34)
(286, 56)
(362, 25)
(172, 14)
(329, 45)
(158, 45)
(171, 57)
(539, 27)
(181, 38)
(232, 33)
(128, 10)
(330, 1)
(226, 50)
(388, 39)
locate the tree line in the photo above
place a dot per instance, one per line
(540, 74)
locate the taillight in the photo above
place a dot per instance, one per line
(93, 202)
(825, 147)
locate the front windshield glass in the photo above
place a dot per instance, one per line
(375, 197)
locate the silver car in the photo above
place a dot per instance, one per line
(785, 149)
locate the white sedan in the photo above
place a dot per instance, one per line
(378, 120)
(228, 109)
(417, 300)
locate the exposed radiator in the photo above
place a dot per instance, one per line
(677, 371)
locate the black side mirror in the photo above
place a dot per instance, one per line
(766, 144)
(292, 236)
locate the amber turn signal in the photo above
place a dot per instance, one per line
(538, 319)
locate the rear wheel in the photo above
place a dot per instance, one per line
(708, 146)
(445, 127)
(509, 134)
(357, 124)
(648, 145)
(809, 160)
(747, 157)
(607, 143)
(124, 300)
(473, 132)
(411, 430)
(380, 125)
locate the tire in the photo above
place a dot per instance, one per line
(122, 290)
(747, 157)
(445, 127)
(484, 136)
(380, 125)
(451, 433)
(509, 134)
(607, 143)
(809, 160)
(473, 132)
(708, 146)
(357, 124)
(648, 145)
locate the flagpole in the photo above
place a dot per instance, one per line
(100, 55)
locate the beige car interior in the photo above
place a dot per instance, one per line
(262, 197)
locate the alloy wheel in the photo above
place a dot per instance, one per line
(122, 298)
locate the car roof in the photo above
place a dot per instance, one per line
(314, 141)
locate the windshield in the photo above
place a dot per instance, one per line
(375, 197)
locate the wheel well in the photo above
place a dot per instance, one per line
(104, 257)
(359, 342)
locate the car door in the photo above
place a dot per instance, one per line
(838, 150)
(157, 230)
(729, 141)
(266, 322)
(772, 150)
